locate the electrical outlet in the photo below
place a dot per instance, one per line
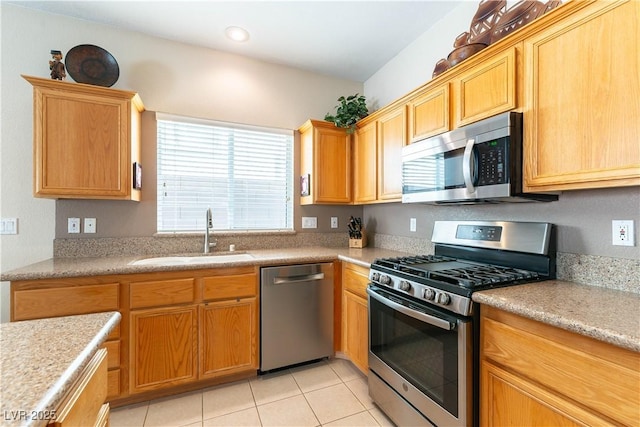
(309, 222)
(9, 226)
(334, 222)
(412, 224)
(89, 225)
(622, 233)
(73, 225)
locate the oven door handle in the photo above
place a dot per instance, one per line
(432, 320)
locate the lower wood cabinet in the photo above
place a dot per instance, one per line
(164, 347)
(84, 405)
(178, 328)
(228, 337)
(533, 374)
(355, 317)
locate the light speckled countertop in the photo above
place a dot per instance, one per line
(41, 359)
(605, 314)
(78, 267)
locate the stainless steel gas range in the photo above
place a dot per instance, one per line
(423, 324)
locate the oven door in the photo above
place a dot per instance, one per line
(420, 356)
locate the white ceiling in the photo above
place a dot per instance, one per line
(346, 39)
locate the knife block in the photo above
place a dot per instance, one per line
(359, 243)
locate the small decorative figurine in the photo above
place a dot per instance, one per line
(56, 66)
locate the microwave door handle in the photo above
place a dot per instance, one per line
(432, 320)
(468, 166)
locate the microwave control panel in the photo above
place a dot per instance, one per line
(492, 159)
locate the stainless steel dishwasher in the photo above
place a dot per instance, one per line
(296, 314)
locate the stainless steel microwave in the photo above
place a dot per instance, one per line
(477, 163)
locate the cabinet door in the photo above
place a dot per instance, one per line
(582, 89)
(392, 137)
(164, 347)
(365, 164)
(85, 140)
(508, 400)
(487, 89)
(229, 337)
(429, 114)
(356, 327)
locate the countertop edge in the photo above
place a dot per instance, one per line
(60, 387)
(522, 303)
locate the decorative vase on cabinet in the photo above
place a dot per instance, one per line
(86, 140)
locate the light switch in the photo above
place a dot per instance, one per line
(9, 226)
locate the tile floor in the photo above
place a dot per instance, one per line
(326, 393)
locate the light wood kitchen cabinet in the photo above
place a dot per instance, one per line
(86, 140)
(39, 299)
(229, 332)
(365, 164)
(377, 158)
(84, 404)
(429, 113)
(229, 323)
(487, 89)
(355, 317)
(392, 136)
(326, 159)
(164, 347)
(193, 328)
(583, 84)
(534, 374)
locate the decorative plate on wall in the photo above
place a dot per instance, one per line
(93, 65)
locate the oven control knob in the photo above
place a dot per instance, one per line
(404, 286)
(375, 277)
(429, 294)
(385, 280)
(443, 299)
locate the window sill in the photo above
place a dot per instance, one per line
(251, 233)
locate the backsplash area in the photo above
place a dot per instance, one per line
(613, 273)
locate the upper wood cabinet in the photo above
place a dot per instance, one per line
(365, 164)
(377, 158)
(392, 136)
(582, 117)
(429, 113)
(486, 89)
(86, 139)
(326, 158)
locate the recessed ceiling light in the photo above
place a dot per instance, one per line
(237, 34)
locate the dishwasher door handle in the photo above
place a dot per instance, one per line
(296, 279)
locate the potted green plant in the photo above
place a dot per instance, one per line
(348, 112)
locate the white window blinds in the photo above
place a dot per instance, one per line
(244, 174)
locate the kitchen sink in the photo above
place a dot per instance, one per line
(192, 260)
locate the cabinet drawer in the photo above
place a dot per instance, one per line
(83, 404)
(596, 374)
(113, 353)
(166, 292)
(355, 279)
(225, 287)
(64, 301)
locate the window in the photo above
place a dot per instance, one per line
(243, 173)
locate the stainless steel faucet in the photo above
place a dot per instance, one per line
(208, 242)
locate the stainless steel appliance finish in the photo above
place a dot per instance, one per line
(423, 324)
(296, 314)
(477, 163)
